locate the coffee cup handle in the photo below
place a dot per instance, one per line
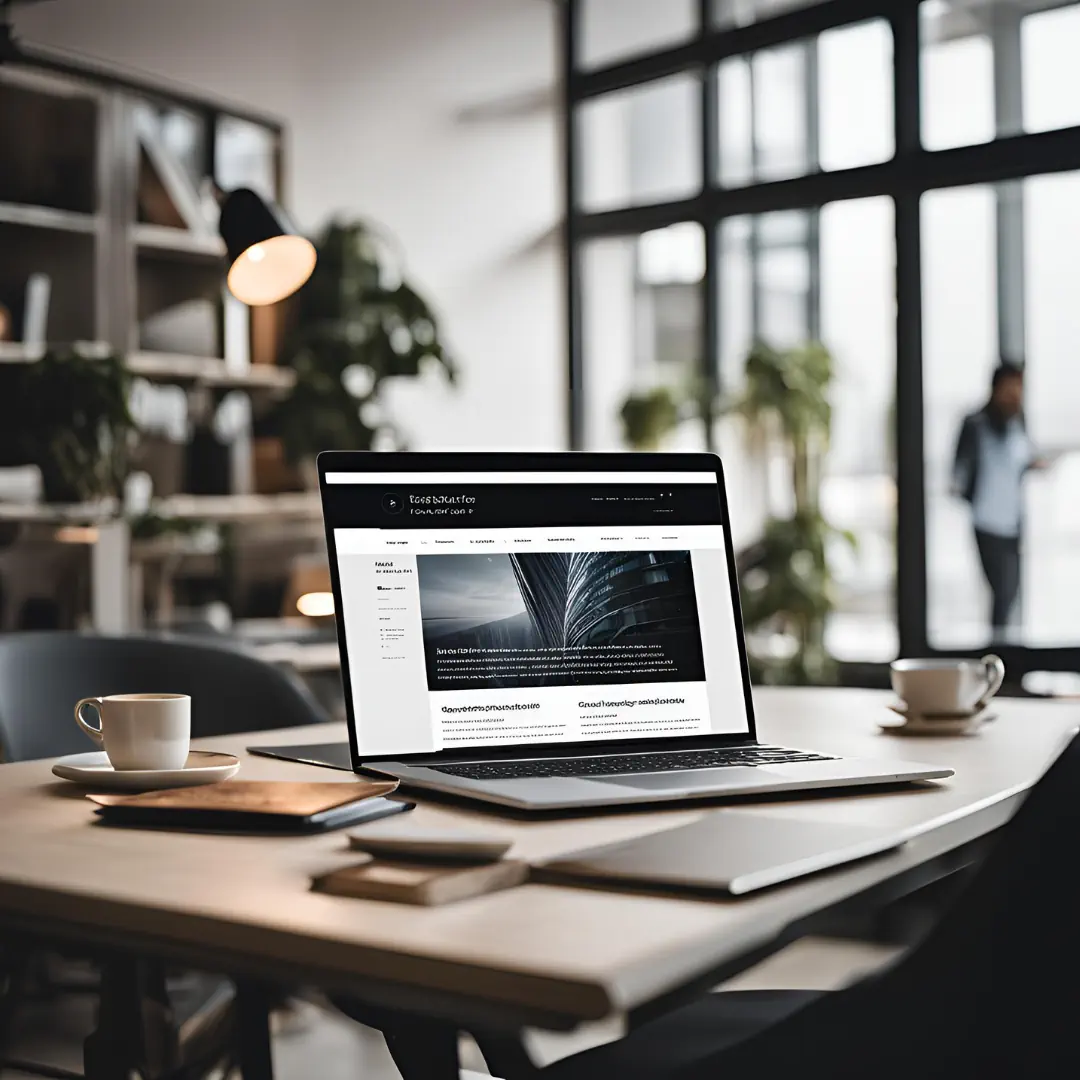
(93, 732)
(995, 676)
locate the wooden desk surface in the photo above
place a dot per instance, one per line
(544, 955)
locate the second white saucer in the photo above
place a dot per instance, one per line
(939, 724)
(95, 770)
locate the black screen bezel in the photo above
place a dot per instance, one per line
(450, 463)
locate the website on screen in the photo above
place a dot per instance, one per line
(479, 614)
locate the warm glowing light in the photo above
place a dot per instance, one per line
(316, 604)
(282, 265)
(76, 534)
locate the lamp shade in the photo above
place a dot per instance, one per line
(268, 259)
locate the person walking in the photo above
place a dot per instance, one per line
(993, 455)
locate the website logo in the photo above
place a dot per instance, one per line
(393, 504)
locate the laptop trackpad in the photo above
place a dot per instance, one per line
(690, 780)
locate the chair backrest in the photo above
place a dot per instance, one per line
(42, 675)
(993, 990)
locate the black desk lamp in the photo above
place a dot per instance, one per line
(268, 259)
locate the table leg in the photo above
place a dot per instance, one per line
(424, 1049)
(12, 970)
(135, 1029)
(253, 1049)
(506, 1055)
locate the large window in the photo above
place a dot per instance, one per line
(895, 180)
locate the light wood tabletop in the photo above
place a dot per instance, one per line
(548, 956)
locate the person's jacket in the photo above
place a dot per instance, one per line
(973, 430)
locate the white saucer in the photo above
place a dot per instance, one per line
(939, 724)
(94, 770)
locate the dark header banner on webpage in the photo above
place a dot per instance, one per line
(477, 505)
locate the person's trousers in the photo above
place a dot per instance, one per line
(1000, 558)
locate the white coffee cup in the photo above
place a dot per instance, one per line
(947, 686)
(140, 731)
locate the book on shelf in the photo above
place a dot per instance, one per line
(24, 313)
(35, 325)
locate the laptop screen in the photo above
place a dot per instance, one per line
(507, 609)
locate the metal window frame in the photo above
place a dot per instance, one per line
(911, 172)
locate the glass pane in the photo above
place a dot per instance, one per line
(1050, 45)
(764, 104)
(855, 94)
(613, 30)
(1050, 555)
(735, 141)
(641, 145)
(960, 347)
(246, 157)
(957, 78)
(642, 332)
(858, 324)
(783, 227)
(742, 12)
(783, 296)
(745, 469)
(780, 81)
(736, 308)
(764, 281)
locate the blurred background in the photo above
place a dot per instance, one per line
(802, 234)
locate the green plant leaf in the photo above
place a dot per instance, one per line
(353, 311)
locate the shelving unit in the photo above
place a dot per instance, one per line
(168, 240)
(103, 188)
(209, 372)
(114, 554)
(172, 368)
(212, 509)
(15, 352)
(46, 217)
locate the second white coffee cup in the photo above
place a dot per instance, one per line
(140, 731)
(947, 686)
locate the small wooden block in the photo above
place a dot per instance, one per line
(427, 883)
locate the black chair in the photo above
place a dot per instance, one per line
(992, 991)
(42, 675)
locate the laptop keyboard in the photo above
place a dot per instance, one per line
(621, 764)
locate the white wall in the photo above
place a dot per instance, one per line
(373, 94)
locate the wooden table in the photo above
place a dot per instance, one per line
(539, 955)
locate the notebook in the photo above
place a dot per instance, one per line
(254, 806)
(726, 852)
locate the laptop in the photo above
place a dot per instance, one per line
(551, 631)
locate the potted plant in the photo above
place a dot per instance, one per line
(786, 584)
(68, 414)
(357, 324)
(649, 417)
